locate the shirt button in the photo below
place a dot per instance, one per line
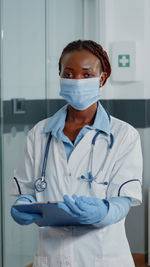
(69, 174)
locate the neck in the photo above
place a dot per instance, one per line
(85, 117)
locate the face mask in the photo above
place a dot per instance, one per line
(80, 93)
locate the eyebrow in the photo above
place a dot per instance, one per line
(87, 68)
(68, 68)
(82, 68)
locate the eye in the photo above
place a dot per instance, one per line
(67, 75)
(88, 75)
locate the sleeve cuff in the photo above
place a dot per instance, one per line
(131, 188)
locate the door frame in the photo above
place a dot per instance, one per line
(99, 23)
(1, 127)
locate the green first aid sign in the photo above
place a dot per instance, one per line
(123, 61)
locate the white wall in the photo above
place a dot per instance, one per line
(127, 20)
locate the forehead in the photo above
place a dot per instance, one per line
(80, 58)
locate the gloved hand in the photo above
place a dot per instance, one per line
(85, 210)
(22, 217)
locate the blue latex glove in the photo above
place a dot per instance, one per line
(22, 217)
(85, 210)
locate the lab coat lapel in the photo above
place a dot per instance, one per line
(83, 148)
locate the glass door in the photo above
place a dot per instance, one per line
(23, 91)
(34, 34)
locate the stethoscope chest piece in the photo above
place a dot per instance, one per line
(40, 185)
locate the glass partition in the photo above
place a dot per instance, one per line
(64, 24)
(35, 33)
(23, 85)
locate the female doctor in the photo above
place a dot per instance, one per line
(92, 162)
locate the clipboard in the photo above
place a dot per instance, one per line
(51, 214)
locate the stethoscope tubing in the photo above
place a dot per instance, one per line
(90, 179)
(46, 157)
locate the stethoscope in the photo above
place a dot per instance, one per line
(40, 184)
(90, 177)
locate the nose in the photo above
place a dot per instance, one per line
(78, 76)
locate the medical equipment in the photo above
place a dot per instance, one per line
(90, 177)
(40, 184)
(80, 93)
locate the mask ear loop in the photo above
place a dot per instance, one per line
(101, 87)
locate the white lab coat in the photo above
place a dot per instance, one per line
(86, 246)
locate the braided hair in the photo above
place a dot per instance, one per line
(94, 48)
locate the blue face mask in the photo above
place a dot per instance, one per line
(80, 93)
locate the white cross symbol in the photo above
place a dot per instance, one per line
(124, 60)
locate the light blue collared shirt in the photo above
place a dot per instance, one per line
(57, 124)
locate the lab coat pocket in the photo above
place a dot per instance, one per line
(40, 261)
(98, 189)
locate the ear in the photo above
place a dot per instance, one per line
(103, 78)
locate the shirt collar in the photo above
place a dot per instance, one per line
(57, 121)
(102, 120)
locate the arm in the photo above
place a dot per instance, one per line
(23, 180)
(126, 175)
(23, 184)
(102, 212)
